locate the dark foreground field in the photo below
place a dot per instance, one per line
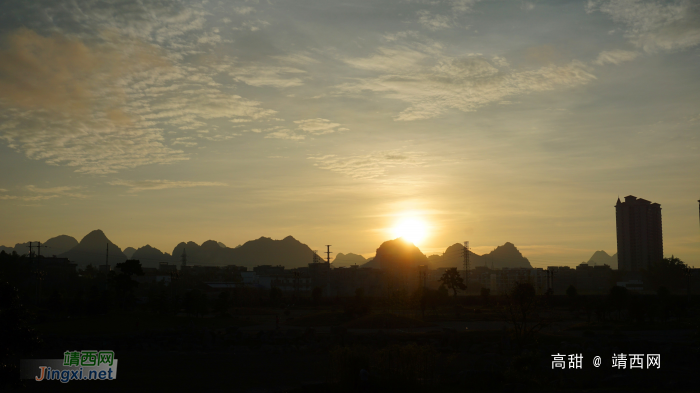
(322, 349)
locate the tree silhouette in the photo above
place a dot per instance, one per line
(316, 294)
(124, 285)
(485, 293)
(521, 308)
(17, 339)
(668, 272)
(618, 299)
(452, 280)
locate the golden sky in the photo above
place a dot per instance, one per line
(337, 122)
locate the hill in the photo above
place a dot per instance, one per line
(345, 260)
(59, 244)
(602, 258)
(506, 255)
(92, 249)
(129, 252)
(150, 256)
(288, 252)
(397, 254)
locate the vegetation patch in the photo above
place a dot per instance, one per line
(386, 321)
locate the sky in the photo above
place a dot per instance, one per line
(335, 121)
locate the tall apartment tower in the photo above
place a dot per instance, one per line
(639, 235)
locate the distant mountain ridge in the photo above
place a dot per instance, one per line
(506, 255)
(602, 258)
(93, 249)
(54, 246)
(346, 260)
(288, 252)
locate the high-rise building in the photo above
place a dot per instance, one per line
(639, 235)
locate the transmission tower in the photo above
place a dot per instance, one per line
(328, 253)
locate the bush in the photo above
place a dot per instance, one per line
(393, 367)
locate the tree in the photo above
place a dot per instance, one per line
(17, 339)
(275, 294)
(452, 280)
(485, 293)
(196, 302)
(222, 302)
(571, 292)
(521, 308)
(617, 298)
(668, 272)
(316, 294)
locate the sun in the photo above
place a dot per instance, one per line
(412, 229)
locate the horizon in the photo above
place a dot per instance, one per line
(367, 257)
(347, 124)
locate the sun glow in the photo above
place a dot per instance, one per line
(412, 229)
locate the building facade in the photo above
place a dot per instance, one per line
(639, 234)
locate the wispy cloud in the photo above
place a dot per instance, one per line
(41, 194)
(319, 126)
(654, 25)
(433, 83)
(98, 93)
(434, 21)
(369, 166)
(145, 185)
(615, 57)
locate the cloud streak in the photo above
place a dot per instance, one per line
(654, 25)
(149, 185)
(465, 83)
(370, 166)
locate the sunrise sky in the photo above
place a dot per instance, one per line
(335, 121)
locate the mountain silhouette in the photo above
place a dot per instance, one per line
(129, 252)
(287, 252)
(506, 255)
(345, 260)
(92, 249)
(54, 246)
(602, 258)
(397, 254)
(58, 245)
(150, 256)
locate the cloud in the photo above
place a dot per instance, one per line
(370, 166)
(285, 134)
(527, 6)
(654, 25)
(186, 141)
(462, 83)
(267, 75)
(41, 194)
(98, 91)
(433, 21)
(615, 57)
(145, 185)
(318, 126)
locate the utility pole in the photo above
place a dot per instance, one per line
(328, 272)
(107, 259)
(466, 262)
(38, 249)
(31, 255)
